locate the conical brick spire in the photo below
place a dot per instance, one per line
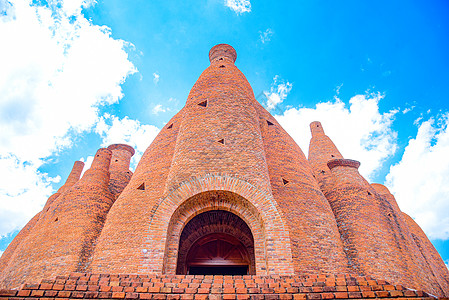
(63, 238)
(119, 168)
(74, 176)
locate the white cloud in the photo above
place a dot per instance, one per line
(420, 181)
(156, 77)
(278, 92)
(360, 132)
(266, 35)
(131, 132)
(239, 6)
(87, 163)
(158, 108)
(57, 68)
(1, 253)
(23, 191)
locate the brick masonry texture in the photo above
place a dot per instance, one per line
(222, 152)
(305, 287)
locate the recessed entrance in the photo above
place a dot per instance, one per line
(218, 254)
(216, 243)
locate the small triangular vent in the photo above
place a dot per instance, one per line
(170, 127)
(203, 104)
(269, 123)
(221, 141)
(285, 181)
(141, 187)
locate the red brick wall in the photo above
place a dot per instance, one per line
(220, 153)
(63, 238)
(119, 168)
(316, 243)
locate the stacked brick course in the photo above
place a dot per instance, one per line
(305, 287)
(222, 152)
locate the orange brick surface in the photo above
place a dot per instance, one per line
(222, 165)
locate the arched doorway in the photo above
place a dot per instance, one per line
(216, 242)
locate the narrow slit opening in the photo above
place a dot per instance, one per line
(203, 104)
(269, 123)
(221, 141)
(285, 181)
(170, 126)
(222, 66)
(141, 187)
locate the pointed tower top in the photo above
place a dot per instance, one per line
(122, 147)
(316, 128)
(222, 51)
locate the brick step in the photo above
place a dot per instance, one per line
(103, 286)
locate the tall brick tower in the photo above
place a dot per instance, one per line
(223, 189)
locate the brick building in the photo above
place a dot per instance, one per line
(223, 190)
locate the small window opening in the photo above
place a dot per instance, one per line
(98, 155)
(170, 126)
(389, 214)
(332, 155)
(141, 187)
(222, 66)
(221, 58)
(221, 141)
(322, 172)
(116, 160)
(317, 125)
(269, 123)
(203, 104)
(56, 220)
(285, 181)
(369, 193)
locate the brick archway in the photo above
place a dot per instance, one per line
(201, 203)
(216, 242)
(256, 208)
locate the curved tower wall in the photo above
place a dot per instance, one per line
(5, 259)
(222, 137)
(375, 238)
(120, 174)
(223, 151)
(315, 239)
(430, 270)
(120, 246)
(216, 135)
(321, 150)
(64, 236)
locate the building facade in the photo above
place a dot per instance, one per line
(223, 189)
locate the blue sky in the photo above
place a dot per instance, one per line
(77, 75)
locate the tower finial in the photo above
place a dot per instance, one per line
(316, 128)
(222, 51)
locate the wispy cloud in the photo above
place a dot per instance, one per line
(278, 92)
(159, 108)
(359, 131)
(156, 77)
(420, 181)
(266, 35)
(239, 6)
(57, 70)
(114, 130)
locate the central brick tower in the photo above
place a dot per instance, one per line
(223, 189)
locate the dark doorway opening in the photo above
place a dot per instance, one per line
(219, 270)
(216, 243)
